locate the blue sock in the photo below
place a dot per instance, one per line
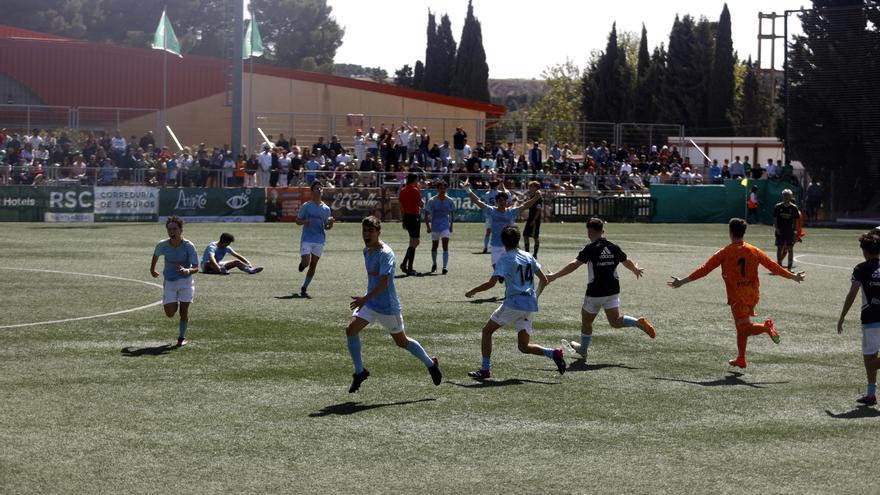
(307, 282)
(445, 258)
(548, 352)
(585, 342)
(182, 328)
(486, 242)
(354, 348)
(872, 389)
(487, 362)
(434, 257)
(629, 321)
(418, 351)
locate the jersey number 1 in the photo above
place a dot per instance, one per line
(742, 267)
(525, 273)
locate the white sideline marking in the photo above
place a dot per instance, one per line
(50, 322)
(798, 257)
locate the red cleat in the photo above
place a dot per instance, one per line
(771, 330)
(739, 362)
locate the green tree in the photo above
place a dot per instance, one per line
(643, 97)
(403, 77)
(607, 86)
(721, 80)
(561, 102)
(429, 81)
(299, 33)
(445, 57)
(753, 114)
(470, 79)
(419, 75)
(681, 82)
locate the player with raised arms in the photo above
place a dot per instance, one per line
(381, 305)
(603, 286)
(500, 216)
(181, 262)
(495, 187)
(212, 259)
(439, 217)
(518, 269)
(866, 276)
(315, 218)
(739, 262)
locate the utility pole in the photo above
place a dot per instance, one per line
(237, 69)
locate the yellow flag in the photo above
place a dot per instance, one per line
(745, 182)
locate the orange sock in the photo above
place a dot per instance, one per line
(742, 339)
(744, 331)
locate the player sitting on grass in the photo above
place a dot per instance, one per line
(518, 269)
(866, 276)
(315, 218)
(739, 268)
(212, 259)
(181, 261)
(380, 304)
(603, 286)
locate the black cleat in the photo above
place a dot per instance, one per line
(303, 294)
(301, 267)
(436, 375)
(357, 379)
(559, 360)
(433, 268)
(868, 400)
(445, 271)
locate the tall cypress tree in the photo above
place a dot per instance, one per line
(445, 50)
(704, 48)
(433, 67)
(419, 75)
(471, 76)
(607, 86)
(754, 106)
(721, 80)
(643, 96)
(680, 84)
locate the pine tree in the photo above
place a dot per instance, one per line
(721, 80)
(753, 114)
(430, 81)
(681, 82)
(418, 81)
(643, 97)
(470, 78)
(608, 84)
(704, 49)
(445, 58)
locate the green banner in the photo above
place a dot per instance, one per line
(213, 205)
(465, 209)
(22, 203)
(716, 204)
(70, 204)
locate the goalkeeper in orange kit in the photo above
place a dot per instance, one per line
(739, 268)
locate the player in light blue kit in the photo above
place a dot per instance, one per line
(500, 216)
(518, 269)
(181, 261)
(380, 304)
(439, 217)
(212, 259)
(495, 187)
(316, 220)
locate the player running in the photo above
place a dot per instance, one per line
(785, 215)
(439, 217)
(495, 187)
(518, 270)
(181, 262)
(533, 223)
(380, 304)
(866, 276)
(603, 286)
(739, 267)
(500, 216)
(315, 216)
(212, 259)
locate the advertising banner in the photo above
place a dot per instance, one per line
(213, 205)
(351, 204)
(22, 204)
(126, 204)
(287, 201)
(465, 209)
(70, 204)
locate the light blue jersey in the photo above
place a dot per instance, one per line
(216, 251)
(499, 220)
(175, 257)
(379, 264)
(519, 270)
(440, 213)
(317, 216)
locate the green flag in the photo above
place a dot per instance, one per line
(253, 42)
(164, 39)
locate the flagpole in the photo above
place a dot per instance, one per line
(251, 105)
(164, 95)
(237, 69)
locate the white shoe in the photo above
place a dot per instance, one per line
(566, 345)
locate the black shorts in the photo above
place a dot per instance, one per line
(532, 229)
(785, 239)
(413, 224)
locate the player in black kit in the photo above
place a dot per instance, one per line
(533, 224)
(603, 286)
(866, 276)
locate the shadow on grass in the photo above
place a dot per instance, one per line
(293, 296)
(351, 407)
(485, 300)
(857, 413)
(414, 274)
(480, 252)
(148, 351)
(499, 383)
(731, 379)
(581, 365)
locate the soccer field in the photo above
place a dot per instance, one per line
(259, 402)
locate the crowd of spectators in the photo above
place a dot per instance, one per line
(377, 156)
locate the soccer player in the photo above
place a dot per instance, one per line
(866, 276)
(518, 269)
(212, 259)
(495, 187)
(380, 304)
(500, 216)
(603, 286)
(315, 217)
(439, 217)
(181, 261)
(533, 223)
(411, 203)
(739, 268)
(785, 215)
